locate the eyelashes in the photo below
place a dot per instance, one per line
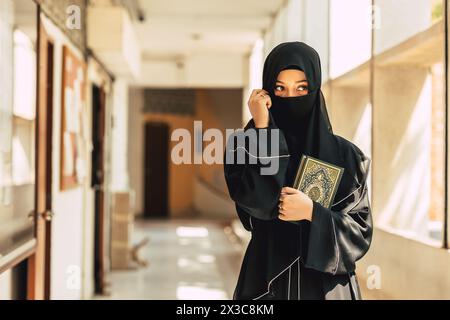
(282, 88)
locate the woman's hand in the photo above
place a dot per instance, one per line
(259, 104)
(294, 205)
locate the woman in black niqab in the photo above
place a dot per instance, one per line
(299, 259)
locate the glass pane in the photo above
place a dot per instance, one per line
(18, 34)
(409, 118)
(348, 92)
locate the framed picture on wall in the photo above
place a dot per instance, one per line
(73, 153)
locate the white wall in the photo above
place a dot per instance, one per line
(318, 22)
(294, 22)
(67, 227)
(406, 269)
(316, 29)
(394, 27)
(119, 147)
(161, 73)
(305, 21)
(6, 285)
(210, 205)
(111, 35)
(136, 146)
(253, 80)
(402, 149)
(206, 70)
(350, 35)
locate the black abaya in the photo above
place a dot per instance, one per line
(318, 256)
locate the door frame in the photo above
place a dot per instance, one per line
(98, 185)
(39, 273)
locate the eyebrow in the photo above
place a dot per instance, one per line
(304, 80)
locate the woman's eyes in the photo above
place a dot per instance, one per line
(302, 88)
(279, 88)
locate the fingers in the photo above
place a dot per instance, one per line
(285, 200)
(283, 207)
(289, 190)
(268, 101)
(256, 91)
(286, 197)
(260, 93)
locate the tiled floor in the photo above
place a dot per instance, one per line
(187, 260)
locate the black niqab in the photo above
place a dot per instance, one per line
(307, 132)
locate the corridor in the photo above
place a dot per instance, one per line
(187, 260)
(114, 119)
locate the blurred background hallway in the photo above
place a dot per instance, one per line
(195, 260)
(98, 98)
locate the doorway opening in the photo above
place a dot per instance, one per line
(156, 170)
(97, 183)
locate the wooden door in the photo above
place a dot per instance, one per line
(156, 173)
(98, 174)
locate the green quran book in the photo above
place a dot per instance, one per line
(318, 179)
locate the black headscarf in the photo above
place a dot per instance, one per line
(304, 120)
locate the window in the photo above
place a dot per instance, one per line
(18, 35)
(409, 119)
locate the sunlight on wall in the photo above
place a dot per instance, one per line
(24, 109)
(23, 159)
(409, 200)
(255, 70)
(362, 137)
(348, 31)
(24, 80)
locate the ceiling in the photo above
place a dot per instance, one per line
(179, 28)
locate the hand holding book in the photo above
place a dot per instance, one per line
(318, 179)
(315, 180)
(294, 205)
